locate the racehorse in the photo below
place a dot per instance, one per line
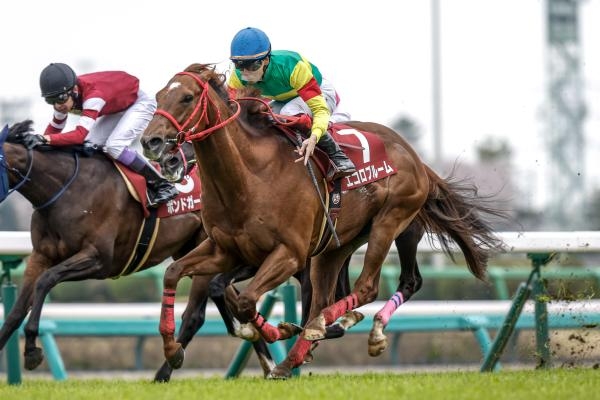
(77, 234)
(260, 210)
(85, 226)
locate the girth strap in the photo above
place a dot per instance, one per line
(145, 243)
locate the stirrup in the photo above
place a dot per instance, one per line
(334, 173)
(156, 200)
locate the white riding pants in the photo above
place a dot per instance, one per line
(117, 131)
(298, 106)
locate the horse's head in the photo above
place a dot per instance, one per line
(175, 166)
(191, 103)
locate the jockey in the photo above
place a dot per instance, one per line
(296, 86)
(113, 113)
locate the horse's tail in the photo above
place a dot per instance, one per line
(454, 211)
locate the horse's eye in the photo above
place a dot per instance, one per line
(173, 162)
(187, 98)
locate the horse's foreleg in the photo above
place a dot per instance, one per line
(17, 314)
(295, 358)
(192, 320)
(225, 297)
(81, 266)
(275, 270)
(174, 353)
(205, 259)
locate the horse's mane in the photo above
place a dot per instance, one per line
(253, 111)
(18, 130)
(216, 80)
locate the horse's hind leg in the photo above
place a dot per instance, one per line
(410, 282)
(324, 273)
(366, 288)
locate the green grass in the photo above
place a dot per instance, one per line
(569, 384)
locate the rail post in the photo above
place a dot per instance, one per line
(534, 284)
(9, 294)
(541, 309)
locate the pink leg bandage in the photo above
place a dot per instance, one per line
(299, 351)
(267, 331)
(167, 313)
(390, 306)
(336, 310)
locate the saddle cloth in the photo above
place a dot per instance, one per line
(188, 200)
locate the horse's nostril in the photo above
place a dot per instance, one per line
(154, 142)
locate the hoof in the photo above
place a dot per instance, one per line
(315, 329)
(280, 372)
(334, 331)
(288, 330)
(351, 318)
(176, 360)
(33, 359)
(376, 347)
(247, 332)
(163, 375)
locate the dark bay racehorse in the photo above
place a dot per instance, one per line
(85, 226)
(260, 209)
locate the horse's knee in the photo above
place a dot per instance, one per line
(171, 276)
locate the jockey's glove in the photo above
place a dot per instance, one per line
(33, 140)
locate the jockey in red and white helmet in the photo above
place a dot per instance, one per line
(113, 112)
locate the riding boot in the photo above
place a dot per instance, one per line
(159, 189)
(342, 165)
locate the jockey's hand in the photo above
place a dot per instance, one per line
(307, 149)
(33, 140)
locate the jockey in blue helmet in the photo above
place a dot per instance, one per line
(296, 86)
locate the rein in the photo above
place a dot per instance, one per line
(187, 164)
(25, 178)
(65, 186)
(183, 132)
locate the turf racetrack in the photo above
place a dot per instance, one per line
(572, 384)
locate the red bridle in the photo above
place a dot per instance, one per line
(183, 132)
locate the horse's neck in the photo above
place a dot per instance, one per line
(49, 172)
(219, 156)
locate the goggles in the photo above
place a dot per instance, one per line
(250, 65)
(58, 99)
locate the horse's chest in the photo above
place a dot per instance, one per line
(250, 244)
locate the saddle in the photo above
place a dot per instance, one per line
(365, 149)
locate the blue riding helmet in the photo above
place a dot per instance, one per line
(250, 44)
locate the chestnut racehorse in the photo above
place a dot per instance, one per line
(84, 226)
(261, 209)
